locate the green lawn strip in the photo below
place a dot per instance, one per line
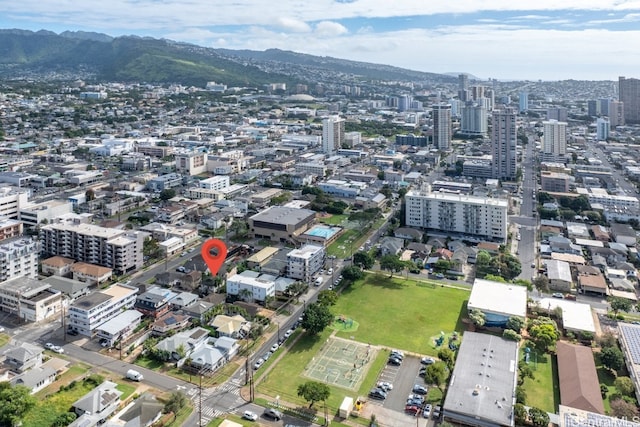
(274, 357)
(47, 409)
(4, 339)
(543, 390)
(74, 371)
(236, 419)
(126, 389)
(606, 377)
(340, 248)
(148, 362)
(334, 219)
(397, 313)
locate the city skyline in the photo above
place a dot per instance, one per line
(583, 40)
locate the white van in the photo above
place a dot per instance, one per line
(134, 375)
(318, 281)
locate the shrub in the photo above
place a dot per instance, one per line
(512, 335)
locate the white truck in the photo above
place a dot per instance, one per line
(318, 281)
(134, 375)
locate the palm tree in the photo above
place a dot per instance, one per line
(245, 294)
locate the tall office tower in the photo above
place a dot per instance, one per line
(616, 113)
(554, 146)
(332, 134)
(476, 92)
(503, 143)
(602, 128)
(604, 106)
(456, 107)
(474, 121)
(523, 101)
(557, 113)
(629, 93)
(442, 126)
(593, 108)
(463, 87)
(490, 99)
(404, 103)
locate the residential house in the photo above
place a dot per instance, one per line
(610, 256)
(170, 322)
(197, 310)
(559, 274)
(231, 326)
(182, 344)
(35, 379)
(408, 233)
(119, 328)
(183, 299)
(623, 233)
(391, 245)
(600, 233)
(23, 357)
(144, 412)
(57, 266)
(563, 245)
(591, 280)
(213, 354)
(579, 384)
(444, 254)
(491, 247)
(90, 273)
(70, 289)
(154, 302)
(96, 406)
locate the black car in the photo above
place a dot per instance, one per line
(395, 361)
(72, 332)
(272, 414)
(377, 393)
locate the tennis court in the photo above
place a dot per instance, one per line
(340, 362)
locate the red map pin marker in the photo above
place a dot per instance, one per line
(214, 262)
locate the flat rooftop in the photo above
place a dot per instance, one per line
(85, 229)
(500, 298)
(483, 382)
(282, 215)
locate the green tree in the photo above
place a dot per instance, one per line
(313, 392)
(391, 263)
(316, 317)
(541, 283)
(477, 317)
(515, 323)
(543, 336)
(327, 297)
(520, 414)
(168, 193)
(64, 419)
(625, 386)
(612, 358)
(521, 395)
(363, 259)
(495, 278)
(15, 401)
(436, 374)
(177, 400)
(512, 335)
(538, 417)
(442, 266)
(352, 273)
(619, 304)
(448, 357)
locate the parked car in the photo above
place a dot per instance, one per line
(419, 389)
(288, 333)
(386, 386)
(274, 348)
(49, 346)
(394, 361)
(258, 363)
(272, 414)
(436, 412)
(427, 360)
(416, 397)
(570, 297)
(426, 412)
(397, 353)
(57, 349)
(266, 356)
(422, 372)
(557, 295)
(251, 416)
(414, 402)
(412, 409)
(377, 393)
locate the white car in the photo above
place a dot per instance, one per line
(258, 363)
(288, 333)
(386, 386)
(251, 416)
(58, 349)
(49, 346)
(274, 347)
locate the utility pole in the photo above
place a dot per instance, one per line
(200, 398)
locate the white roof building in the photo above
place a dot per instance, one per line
(498, 301)
(576, 316)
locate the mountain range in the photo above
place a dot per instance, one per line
(139, 59)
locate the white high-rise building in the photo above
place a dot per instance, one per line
(332, 134)
(474, 120)
(477, 217)
(523, 101)
(442, 126)
(503, 144)
(603, 127)
(303, 263)
(554, 146)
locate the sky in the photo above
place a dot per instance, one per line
(507, 40)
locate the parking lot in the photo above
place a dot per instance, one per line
(403, 378)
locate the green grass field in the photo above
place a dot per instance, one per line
(333, 219)
(605, 376)
(398, 313)
(545, 379)
(284, 379)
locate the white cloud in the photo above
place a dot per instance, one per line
(329, 28)
(293, 25)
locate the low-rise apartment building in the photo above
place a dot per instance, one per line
(251, 286)
(30, 299)
(19, 258)
(87, 313)
(303, 263)
(10, 228)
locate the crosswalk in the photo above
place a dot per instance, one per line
(209, 412)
